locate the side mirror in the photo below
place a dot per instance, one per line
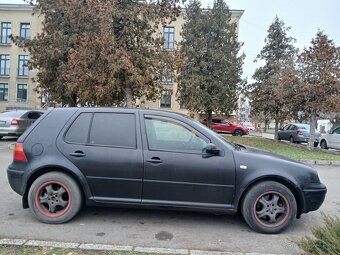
(210, 150)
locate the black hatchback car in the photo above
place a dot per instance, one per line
(147, 158)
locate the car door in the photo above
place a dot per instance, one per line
(175, 171)
(284, 132)
(106, 147)
(334, 139)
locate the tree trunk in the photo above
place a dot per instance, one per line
(276, 136)
(128, 97)
(73, 100)
(312, 130)
(209, 119)
(281, 123)
(265, 126)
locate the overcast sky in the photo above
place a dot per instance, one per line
(304, 17)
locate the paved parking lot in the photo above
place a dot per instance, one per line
(158, 228)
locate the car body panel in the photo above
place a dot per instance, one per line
(116, 176)
(225, 126)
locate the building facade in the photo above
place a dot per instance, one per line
(17, 90)
(172, 36)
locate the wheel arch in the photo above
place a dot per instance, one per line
(296, 192)
(48, 169)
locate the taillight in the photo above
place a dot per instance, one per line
(299, 133)
(15, 122)
(19, 154)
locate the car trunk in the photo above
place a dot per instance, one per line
(5, 121)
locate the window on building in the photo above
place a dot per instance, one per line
(169, 34)
(167, 75)
(25, 31)
(166, 99)
(3, 91)
(22, 92)
(4, 65)
(23, 65)
(6, 31)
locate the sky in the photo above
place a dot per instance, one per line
(305, 17)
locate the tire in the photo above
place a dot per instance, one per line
(278, 138)
(238, 132)
(1, 137)
(279, 201)
(316, 144)
(54, 198)
(291, 139)
(323, 145)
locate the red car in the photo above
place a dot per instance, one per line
(225, 126)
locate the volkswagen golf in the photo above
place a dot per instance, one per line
(145, 158)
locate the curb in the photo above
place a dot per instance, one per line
(107, 247)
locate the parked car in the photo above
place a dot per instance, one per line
(14, 123)
(297, 133)
(248, 125)
(226, 126)
(148, 158)
(331, 140)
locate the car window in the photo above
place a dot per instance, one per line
(78, 132)
(114, 129)
(286, 127)
(216, 121)
(292, 127)
(337, 131)
(33, 115)
(166, 135)
(225, 121)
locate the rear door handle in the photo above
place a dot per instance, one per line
(78, 154)
(155, 160)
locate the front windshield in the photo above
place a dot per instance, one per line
(211, 132)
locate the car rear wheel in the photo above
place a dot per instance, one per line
(54, 198)
(1, 137)
(238, 132)
(291, 139)
(323, 145)
(269, 207)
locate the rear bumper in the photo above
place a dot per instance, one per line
(10, 131)
(15, 179)
(314, 197)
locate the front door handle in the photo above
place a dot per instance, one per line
(155, 160)
(78, 154)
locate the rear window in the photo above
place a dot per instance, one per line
(113, 129)
(78, 132)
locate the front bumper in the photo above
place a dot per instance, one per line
(314, 196)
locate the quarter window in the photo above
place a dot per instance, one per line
(164, 135)
(114, 129)
(78, 132)
(6, 31)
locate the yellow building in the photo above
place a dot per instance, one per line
(172, 35)
(16, 85)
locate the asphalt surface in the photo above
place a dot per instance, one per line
(154, 228)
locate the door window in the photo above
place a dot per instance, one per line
(336, 131)
(78, 132)
(286, 127)
(166, 135)
(114, 129)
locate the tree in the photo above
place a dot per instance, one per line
(100, 52)
(212, 68)
(276, 81)
(319, 73)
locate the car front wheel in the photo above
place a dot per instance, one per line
(269, 207)
(54, 198)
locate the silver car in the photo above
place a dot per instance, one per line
(14, 123)
(297, 133)
(331, 140)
